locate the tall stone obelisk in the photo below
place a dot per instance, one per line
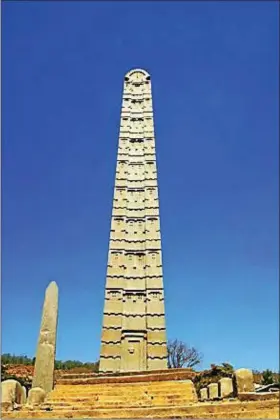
(45, 357)
(133, 333)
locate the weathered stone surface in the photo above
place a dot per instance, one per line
(134, 298)
(230, 410)
(36, 396)
(243, 381)
(213, 391)
(204, 394)
(45, 356)
(11, 392)
(225, 387)
(23, 395)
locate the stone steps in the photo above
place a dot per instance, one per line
(108, 398)
(124, 387)
(248, 410)
(121, 396)
(112, 404)
(138, 396)
(140, 389)
(114, 392)
(156, 400)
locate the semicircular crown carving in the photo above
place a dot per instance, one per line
(137, 75)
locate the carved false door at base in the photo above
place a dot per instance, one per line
(133, 354)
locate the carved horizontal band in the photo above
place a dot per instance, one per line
(103, 356)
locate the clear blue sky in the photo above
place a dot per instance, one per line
(214, 69)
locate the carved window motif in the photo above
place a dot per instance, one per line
(116, 256)
(153, 256)
(155, 295)
(125, 103)
(129, 296)
(121, 167)
(130, 257)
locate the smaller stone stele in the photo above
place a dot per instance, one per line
(225, 387)
(213, 391)
(243, 381)
(11, 392)
(36, 396)
(43, 376)
(203, 394)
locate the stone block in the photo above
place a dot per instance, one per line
(203, 394)
(158, 336)
(243, 381)
(110, 350)
(213, 391)
(109, 364)
(113, 307)
(157, 364)
(11, 392)
(36, 396)
(156, 307)
(112, 321)
(111, 335)
(134, 323)
(155, 322)
(225, 387)
(157, 350)
(154, 282)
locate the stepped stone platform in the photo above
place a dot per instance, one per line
(139, 396)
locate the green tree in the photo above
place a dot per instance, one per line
(9, 359)
(267, 377)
